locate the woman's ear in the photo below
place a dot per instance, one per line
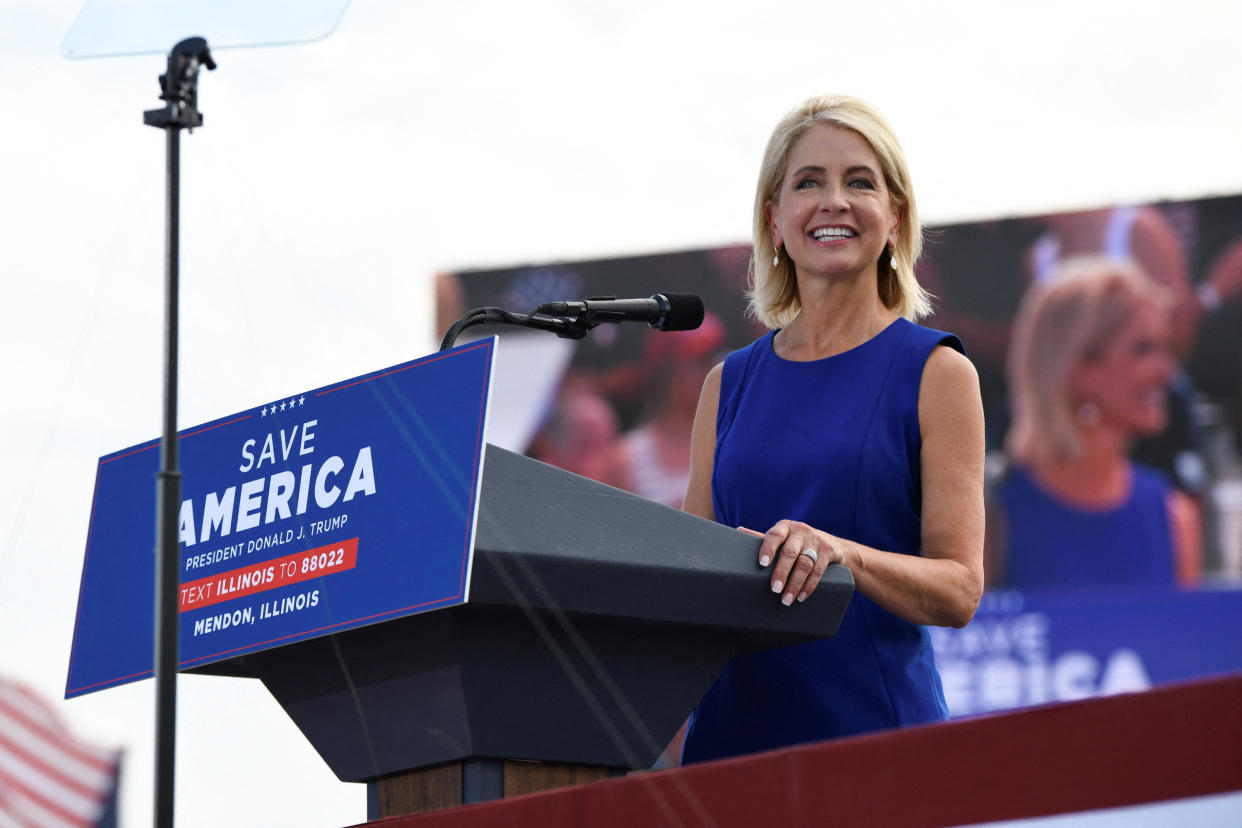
(894, 232)
(1083, 379)
(769, 212)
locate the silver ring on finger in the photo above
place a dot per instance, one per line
(812, 554)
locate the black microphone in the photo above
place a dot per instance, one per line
(662, 311)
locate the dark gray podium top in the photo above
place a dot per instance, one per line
(552, 539)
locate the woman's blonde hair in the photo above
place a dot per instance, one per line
(773, 295)
(1062, 323)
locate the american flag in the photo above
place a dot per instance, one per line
(48, 777)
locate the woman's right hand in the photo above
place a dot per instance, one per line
(800, 554)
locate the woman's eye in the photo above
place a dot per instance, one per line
(861, 184)
(804, 184)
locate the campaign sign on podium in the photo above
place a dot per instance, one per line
(317, 513)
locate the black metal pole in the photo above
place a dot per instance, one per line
(168, 504)
(179, 87)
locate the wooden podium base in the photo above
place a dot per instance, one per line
(474, 780)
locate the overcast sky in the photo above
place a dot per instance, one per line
(332, 180)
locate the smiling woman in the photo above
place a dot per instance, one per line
(1090, 369)
(833, 216)
(775, 299)
(848, 433)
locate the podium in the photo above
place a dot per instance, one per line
(443, 619)
(596, 621)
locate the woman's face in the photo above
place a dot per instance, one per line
(833, 215)
(1129, 380)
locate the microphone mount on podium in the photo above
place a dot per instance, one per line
(574, 320)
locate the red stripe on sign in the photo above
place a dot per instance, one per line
(261, 577)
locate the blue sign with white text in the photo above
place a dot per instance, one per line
(1030, 648)
(325, 511)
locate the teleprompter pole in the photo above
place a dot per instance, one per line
(179, 89)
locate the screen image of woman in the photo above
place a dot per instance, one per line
(1090, 368)
(848, 434)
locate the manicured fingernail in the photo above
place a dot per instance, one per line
(764, 560)
(776, 586)
(787, 598)
(801, 597)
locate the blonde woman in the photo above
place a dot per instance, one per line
(848, 434)
(1090, 367)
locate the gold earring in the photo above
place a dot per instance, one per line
(776, 258)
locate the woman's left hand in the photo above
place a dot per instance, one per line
(801, 554)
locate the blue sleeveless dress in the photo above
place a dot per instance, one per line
(834, 443)
(1053, 544)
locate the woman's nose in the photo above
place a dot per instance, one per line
(834, 199)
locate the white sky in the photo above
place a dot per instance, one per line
(330, 182)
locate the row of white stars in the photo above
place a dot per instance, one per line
(274, 407)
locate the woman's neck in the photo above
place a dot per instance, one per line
(836, 316)
(1099, 477)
